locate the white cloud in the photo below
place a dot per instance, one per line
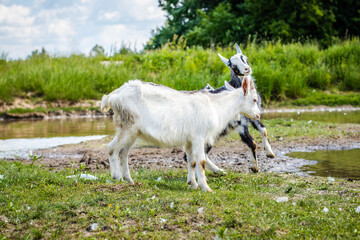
(66, 26)
(108, 16)
(15, 15)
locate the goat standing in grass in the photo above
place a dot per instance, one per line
(240, 68)
(167, 117)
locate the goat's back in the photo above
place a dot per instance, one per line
(163, 113)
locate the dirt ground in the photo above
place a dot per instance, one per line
(229, 155)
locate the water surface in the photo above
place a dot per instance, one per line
(325, 116)
(336, 163)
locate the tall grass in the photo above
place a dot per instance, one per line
(281, 71)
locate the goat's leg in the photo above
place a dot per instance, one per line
(243, 131)
(125, 144)
(191, 180)
(199, 155)
(210, 165)
(258, 125)
(114, 149)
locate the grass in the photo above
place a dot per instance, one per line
(37, 203)
(286, 129)
(282, 71)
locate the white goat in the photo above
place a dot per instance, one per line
(167, 117)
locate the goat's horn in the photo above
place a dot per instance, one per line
(238, 48)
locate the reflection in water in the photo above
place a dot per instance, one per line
(331, 117)
(56, 128)
(341, 163)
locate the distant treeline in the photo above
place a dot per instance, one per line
(221, 22)
(282, 71)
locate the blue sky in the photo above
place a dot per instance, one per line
(65, 26)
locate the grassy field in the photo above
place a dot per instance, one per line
(282, 71)
(37, 203)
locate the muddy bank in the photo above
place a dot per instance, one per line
(90, 108)
(233, 155)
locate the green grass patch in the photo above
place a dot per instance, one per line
(286, 129)
(282, 71)
(37, 203)
(327, 99)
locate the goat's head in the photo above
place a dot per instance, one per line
(238, 63)
(248, 98)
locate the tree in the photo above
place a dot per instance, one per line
(97, 51)
(221, 22)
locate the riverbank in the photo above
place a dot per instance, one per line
(285, 135)
(22, 108)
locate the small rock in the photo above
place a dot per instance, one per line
(4, 219)
(1, 176)
(330, 179)
(294, 203)
(162, 220)
(325, 210)
(172, 205)
(309, 122)
(282, 199)
(153, 197)
(357, 210)
(93, 227)
(84, 176)
(200, 210)
(159, 179)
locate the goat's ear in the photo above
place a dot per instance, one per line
(252, 85)
(228, 86)
(238, 50)
(225, 61)
(245, 85)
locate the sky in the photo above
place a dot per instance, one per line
(63, 27)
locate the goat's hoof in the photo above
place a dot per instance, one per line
(270, 155)
(254, 169)
(130, 181)
(222, 172)
(207, 189)
(194, 186)
(117, 178)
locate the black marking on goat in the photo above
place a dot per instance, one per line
(207, 148)
(242, 59)
(231, 126)
(185, 157)
(248, 140)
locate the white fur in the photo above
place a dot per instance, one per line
(167, 117)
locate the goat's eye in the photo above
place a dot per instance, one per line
(255, 100)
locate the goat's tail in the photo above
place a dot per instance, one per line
(105, 105)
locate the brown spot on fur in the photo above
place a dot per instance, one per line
(111, 152)
(265, 133)
(203, 164)
(193, 165)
